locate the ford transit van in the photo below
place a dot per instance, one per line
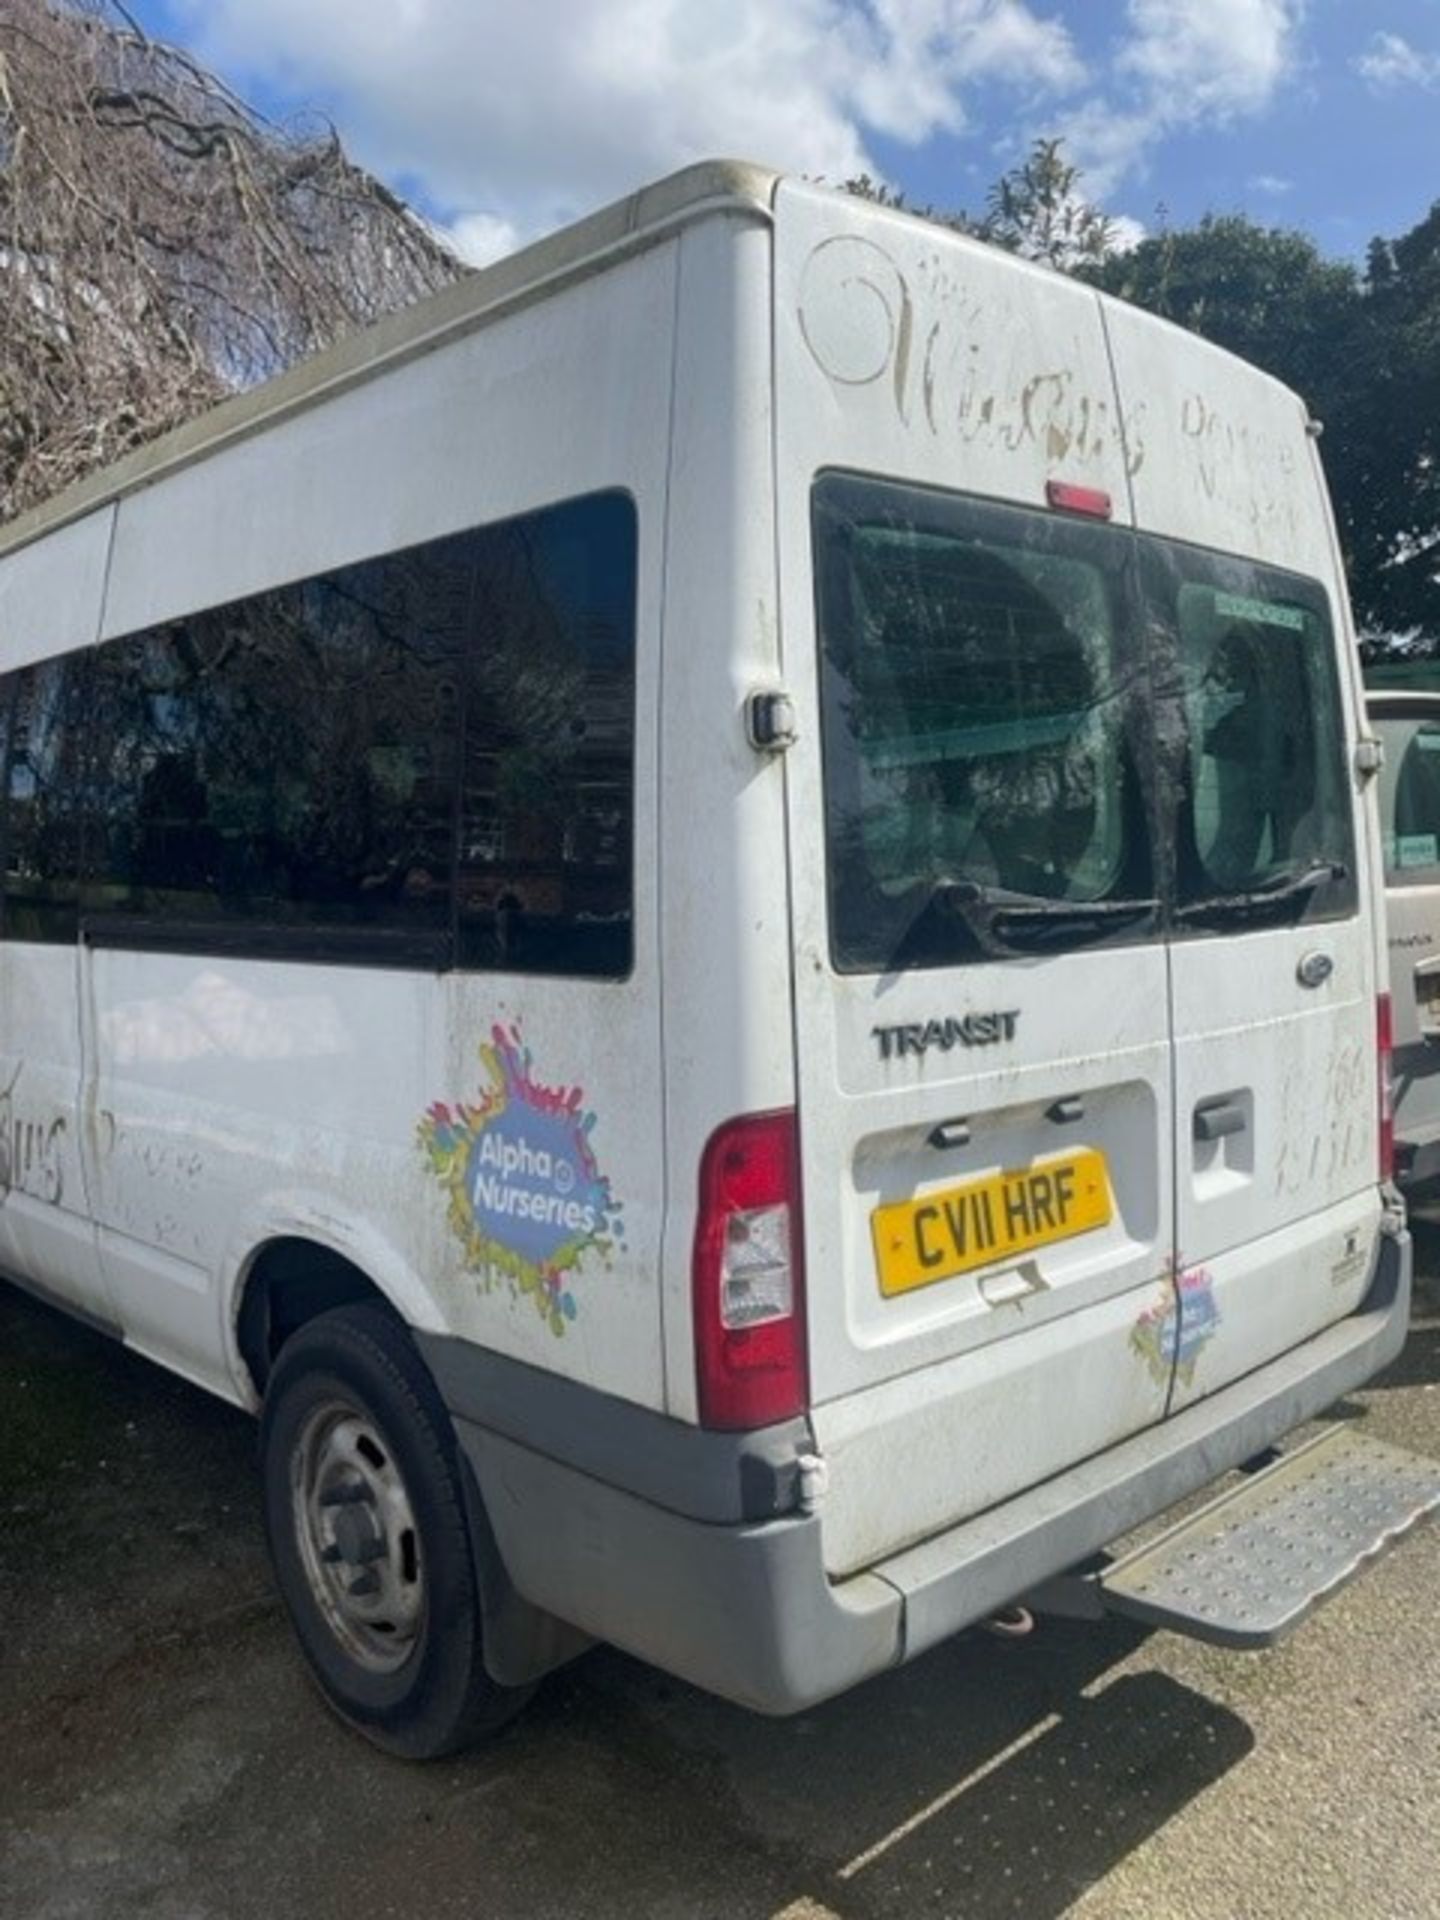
(709, 913)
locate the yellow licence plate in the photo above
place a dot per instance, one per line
(984, 1221)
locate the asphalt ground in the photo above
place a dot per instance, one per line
(163, 1755)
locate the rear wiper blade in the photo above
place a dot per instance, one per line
(1285, 889)
(990, 910)
(1058, 920)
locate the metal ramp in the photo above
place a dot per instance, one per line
(1251, 1564)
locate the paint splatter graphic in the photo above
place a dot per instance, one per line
(527, 1200)
(1174, 1336)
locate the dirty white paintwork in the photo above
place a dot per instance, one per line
(232, 1101)
(1220, 456)
(945, 362)
(1301, 1061)
(51, 594)
(1237, 474)
(214, 1104)
(722, 890)
(46, 1229)
(50, 600)
(900, 352)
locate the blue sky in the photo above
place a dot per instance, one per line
(503, 121)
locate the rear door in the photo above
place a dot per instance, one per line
(981, 993)
(1273, 957)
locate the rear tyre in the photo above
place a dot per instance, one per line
(365, 1517)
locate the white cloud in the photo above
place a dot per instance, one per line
(1271, 183)
(513, 119)
(1212, 59)
(1390, 61)
(1126, 233)
(478, 238)
(1184, 63)
(506, 120)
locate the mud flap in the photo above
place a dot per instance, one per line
(522, 1643)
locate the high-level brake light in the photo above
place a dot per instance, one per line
(1093, 501)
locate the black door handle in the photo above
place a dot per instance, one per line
(1213, 1123)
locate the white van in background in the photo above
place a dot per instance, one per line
(1408, 727)
(709, 913)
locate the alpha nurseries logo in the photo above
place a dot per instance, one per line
(923, 1036)
(528, 1203)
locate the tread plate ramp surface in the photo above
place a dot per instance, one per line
(1251, 1564)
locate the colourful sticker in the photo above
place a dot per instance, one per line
(1166, 1338)
(527, 1200)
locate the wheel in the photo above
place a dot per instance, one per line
(365, 1517)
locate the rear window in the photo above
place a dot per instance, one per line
(1410, 799)
(1040, 732)
(1264, 801)
(975, 662)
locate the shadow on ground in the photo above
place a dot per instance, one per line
(167, 1758)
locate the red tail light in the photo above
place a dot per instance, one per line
(749, 1292)
(1385, 1036)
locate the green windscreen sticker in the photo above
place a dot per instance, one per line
(1262, 613)
(1416, 850)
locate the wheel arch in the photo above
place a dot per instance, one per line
(301, 1261)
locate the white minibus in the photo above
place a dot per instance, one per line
(709, 914)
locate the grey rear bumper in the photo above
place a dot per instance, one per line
(746, 1610)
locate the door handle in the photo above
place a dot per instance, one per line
(1214, 1123)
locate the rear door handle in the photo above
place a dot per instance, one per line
(1213, 1123)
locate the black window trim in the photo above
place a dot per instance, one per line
(373, 947)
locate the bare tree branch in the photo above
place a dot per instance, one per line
(162, 243)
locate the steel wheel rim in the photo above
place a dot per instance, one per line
(358, 1539)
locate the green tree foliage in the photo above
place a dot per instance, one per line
(864, 187)
(1264, 293)
(1363, 349)
(1388, 436)
(1037, 209)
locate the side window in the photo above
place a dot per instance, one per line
(41, 782)
(420, 760)
(280, 772)
(544, 881)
